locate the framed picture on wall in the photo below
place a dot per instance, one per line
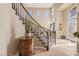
(60, 26)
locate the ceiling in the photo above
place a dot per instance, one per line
(38, 5)
(64, 6)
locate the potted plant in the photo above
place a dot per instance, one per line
(28, 29)
(76, 34)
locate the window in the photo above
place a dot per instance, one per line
(72, 12)
(46, 13)
(30, 12)
(38, 13)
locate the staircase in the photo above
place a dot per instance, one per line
(38, 46)
(42, 34)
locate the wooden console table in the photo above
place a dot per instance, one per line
(26, 46)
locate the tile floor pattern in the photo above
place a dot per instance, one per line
(61, 48)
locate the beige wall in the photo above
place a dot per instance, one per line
(42, 20)
(11, 28)
(78, 22)
(59, 20)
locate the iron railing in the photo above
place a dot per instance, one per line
(31, 25)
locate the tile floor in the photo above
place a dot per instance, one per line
(61, 48)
